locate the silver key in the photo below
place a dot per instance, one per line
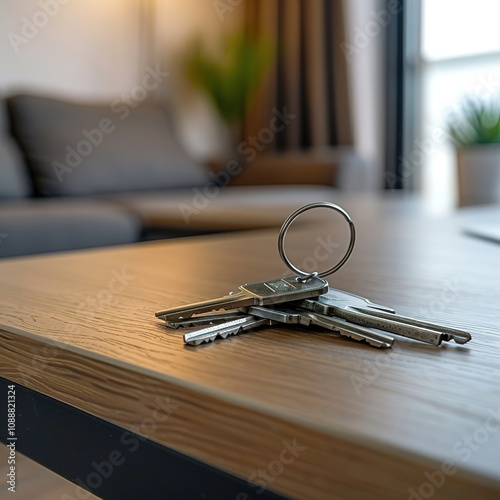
(341, 326)
(361, 311)
(206, 319)
(243, 324)
(252, 294)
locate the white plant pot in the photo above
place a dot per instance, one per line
(479, 174)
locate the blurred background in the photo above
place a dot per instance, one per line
(370, 95)
(130, 120)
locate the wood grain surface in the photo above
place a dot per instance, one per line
(366, 423)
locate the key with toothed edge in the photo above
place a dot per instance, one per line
(253, 294)
(361, 311)
(234, 327)
(290, 316)
(205, 319)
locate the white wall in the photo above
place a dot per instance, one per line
(98, 49)
(94, 49)
(80, 48)
(201, 129)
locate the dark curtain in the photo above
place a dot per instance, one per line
(395, 177)
(309, 79)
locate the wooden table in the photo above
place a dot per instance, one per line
(296, 411)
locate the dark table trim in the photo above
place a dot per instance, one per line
(111, 462)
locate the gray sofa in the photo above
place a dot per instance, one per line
(61, 164)
(76, 176)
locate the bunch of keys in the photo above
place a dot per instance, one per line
(304, 299)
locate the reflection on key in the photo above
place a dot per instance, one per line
(224, 330)
(361, 311)
(307, 318)
(253, 294)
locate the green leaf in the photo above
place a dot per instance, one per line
(477, 122)
(232, 77)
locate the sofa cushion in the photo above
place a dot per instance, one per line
(47, 225)
(14, 181)
(76, 149)
(225, 209)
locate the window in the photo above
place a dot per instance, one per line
(458, 55)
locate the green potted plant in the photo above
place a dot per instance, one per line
(231, 77)
(475, 131)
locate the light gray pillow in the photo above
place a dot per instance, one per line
(14, 180)
(77, 149)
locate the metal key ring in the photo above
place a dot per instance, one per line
(293, 216)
